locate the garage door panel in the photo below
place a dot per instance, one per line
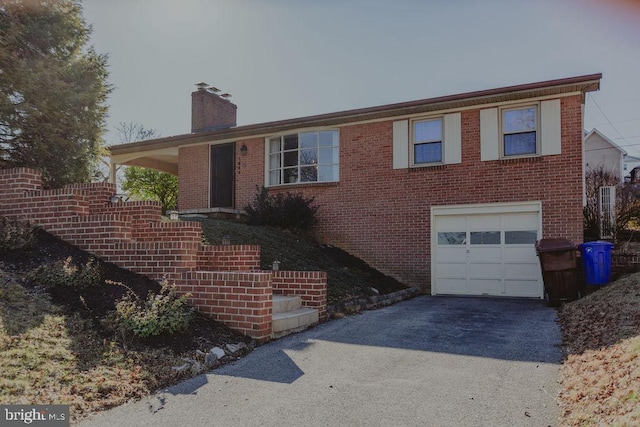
(453, 286)
(486, 287)
(486, 270)
(515, 254)
(452, 271)
(522, 271)
(452, 223)
(523, 288)
(451, 252)
(520, 221)
(484, 222)
(485, 254)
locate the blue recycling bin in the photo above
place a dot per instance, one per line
(596, 258)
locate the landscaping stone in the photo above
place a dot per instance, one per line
(181, 368)
(233, 348)
(196, 368)
(210, 360)
(218, 352)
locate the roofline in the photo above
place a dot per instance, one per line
(594, 130)
(585, 83)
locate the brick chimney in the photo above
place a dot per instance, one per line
(210, 111)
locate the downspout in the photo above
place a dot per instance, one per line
(584, 178)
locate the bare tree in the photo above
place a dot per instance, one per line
(126, 133)
(627, 202)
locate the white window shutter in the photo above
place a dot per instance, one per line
(401, 144)
(489, 135)
(453, 138)
(550, 128)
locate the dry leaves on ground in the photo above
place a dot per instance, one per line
(600, 379)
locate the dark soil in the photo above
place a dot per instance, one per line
(95, 303)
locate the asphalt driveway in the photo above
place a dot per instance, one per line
(430, 361)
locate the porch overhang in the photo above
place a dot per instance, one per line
(162, 159)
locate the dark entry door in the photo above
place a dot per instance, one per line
(222, 175)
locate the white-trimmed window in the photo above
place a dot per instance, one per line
(303, 157)
(520, 131)
(426, 141)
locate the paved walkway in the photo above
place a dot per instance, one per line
(430, 361)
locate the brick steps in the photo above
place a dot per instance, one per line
(284, 303)
(224, 281)
(289, 316)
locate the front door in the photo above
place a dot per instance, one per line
(222, 175)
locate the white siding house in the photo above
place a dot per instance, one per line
(600, 151)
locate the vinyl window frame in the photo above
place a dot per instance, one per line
(503, 133)
(413, 143)
(282, 151)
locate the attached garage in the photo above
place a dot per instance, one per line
(486, 249)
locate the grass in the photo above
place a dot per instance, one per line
(52, 356)
(600, 378)
(347, 276)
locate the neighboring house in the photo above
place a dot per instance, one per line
(629, 163)
(448, 194)
(601, 152)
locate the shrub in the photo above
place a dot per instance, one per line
(67, 274)
(163, 313)
(289, 211)
(15, 235)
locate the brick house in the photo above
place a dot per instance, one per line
(448, 194)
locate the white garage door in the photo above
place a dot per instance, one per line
(486, 249)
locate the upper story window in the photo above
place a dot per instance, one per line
(304, 157)
(426, 141)
(519, 131)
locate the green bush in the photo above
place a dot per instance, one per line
(163, 313)
(288, 211)
(67, 274)
(15, 235)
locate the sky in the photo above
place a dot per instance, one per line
(282, 59)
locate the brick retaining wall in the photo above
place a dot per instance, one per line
(225, 280)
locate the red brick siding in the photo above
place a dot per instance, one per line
(209, 111)
(193, 177)
(383, 215)
(141, 212)
(242, 301)
(229, 258)
(249, 170)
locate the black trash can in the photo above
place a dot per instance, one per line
(560, 270)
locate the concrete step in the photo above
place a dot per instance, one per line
(293, 321)
(284, 303)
